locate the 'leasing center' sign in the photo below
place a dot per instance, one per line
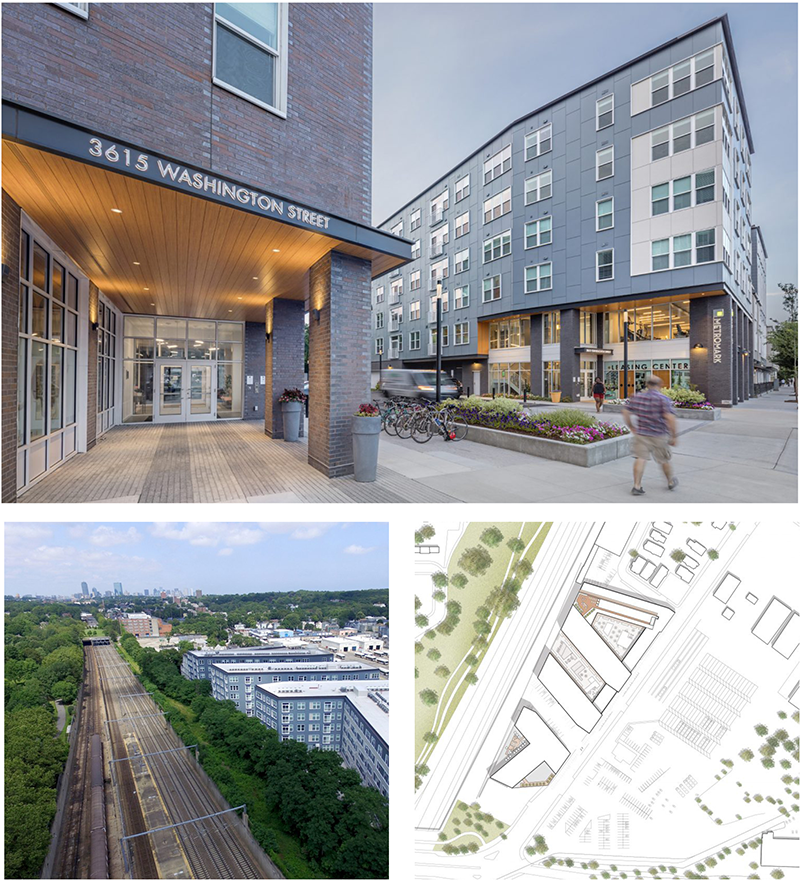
(183, 178)
(716, 334)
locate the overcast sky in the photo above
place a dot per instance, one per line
(450, 76)
(53, 558)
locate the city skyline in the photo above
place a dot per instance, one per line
(438, 134)
(53, 559)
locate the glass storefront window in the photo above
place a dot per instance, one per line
(661, 322)
(512, 378)
(510, 334)
(229, 391)
(551, 327)
(680, 319)
(23, 308)
(58, 281)
(40, 261)
(137, 400)
(39, 316)
(587, 325)
(642, 326)
(56, 365)
(552, 377)
(139, 327)
(37, 388)
(22, 364)
(171, 348)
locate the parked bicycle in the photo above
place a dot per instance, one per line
(444, 421)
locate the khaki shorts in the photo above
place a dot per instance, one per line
(645, 446)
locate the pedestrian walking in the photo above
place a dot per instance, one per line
(598, 393)
(655, 431)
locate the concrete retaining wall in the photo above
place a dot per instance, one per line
(702, 415)
(585, 455)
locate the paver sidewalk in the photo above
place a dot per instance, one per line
(749, 455)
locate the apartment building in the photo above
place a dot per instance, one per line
(621, 209)
(237, 682)
(142, 624)
(351, 719)
(196, 664)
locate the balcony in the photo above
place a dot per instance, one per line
(395, 324)
(436, 217)
(435, 280)
(437, 249)
(394, 353)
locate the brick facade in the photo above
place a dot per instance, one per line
(142, 72)
(338, 358)
(11, 225)
(716, 380)
(284, 358)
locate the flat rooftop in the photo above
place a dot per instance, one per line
(258, 650)
(322, 667)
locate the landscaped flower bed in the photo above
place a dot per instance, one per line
(569, 426)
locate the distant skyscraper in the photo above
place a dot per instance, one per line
(95, 592)
(117, 588)
(84, 589)
(198, 593)
(147, 591)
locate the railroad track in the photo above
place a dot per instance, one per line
(213, 848)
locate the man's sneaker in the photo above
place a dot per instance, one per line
(638, 491)
(673, 483)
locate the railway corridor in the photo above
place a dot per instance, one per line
(156, 783)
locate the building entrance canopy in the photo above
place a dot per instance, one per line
(159, 236)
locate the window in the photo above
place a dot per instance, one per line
(461, 334)
(604, 163)
(439, 271)
(510, 333)
(413, 310)
(415, 250)
(413, 340)
(462, 261)
(462, 188)
(439, 239)
(539, 232)
(538, 278)
(605, 265)
(551, 328)
(682, 77)
(396, 317)
(496, 247)
(726, 249)
(682, 250)
(552, 376)
(107, 352)
(461, 297)
(445, 338)
(414, 222)
(538, 142)
(379, 320)
(414, 280)
(704, 187)
(704, 127)
(604, 112)
(379, 294)
(683, 134)
(496, 165)
(395, 345)
(79, 9)
(539, 187)
(396, 290)
(462, 224)
(659, 143)
(681, 193)
(497, 206)
(660, 254)
(250, 52)
(605, 214)
(397, 229)
(704, 246)
(491, 288)
(439, 205)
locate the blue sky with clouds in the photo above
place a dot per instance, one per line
(449, 76)
(53, 558)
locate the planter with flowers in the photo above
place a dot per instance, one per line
(292, 401)
(366, 435)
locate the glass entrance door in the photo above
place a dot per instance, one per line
(588, 375)
(185, 392)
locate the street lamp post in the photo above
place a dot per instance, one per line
(439, 341)
(624, 354)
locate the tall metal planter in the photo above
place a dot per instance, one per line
(366, 435)
(292, 413)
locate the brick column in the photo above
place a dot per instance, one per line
(570, 359)
(338, 358)
(715, 378)
(255, 366)
(11, 224)
(91, 374)
(283, 358)
(537, 368)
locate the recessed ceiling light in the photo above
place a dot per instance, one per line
(136, 263)
(230, 310)
(255, 278)
(117, 210)
(238, 298)
(147, 289)
(276, 250)
(152, 304)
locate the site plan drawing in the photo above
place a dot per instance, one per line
(606, 700)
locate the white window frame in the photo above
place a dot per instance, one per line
(461, 261)
(414, 311)
(281, 56)
(459, 300)
(597, 113)
(415, 221)
(537, 266)
(536, 223)
(670, 72)
(79, 9)
(670, 128)
(461, 334)
(414, 341)
(462, 226)
(502, 239)
(491, 278)
(416, 250)
(535, 184)
(495, 165)
(497, 201)
(461, 191)
(397, 229)
(380, 320)
(380, 294)
(597, 163)
(597, 265)
(534, 139)
(415, 280)
(597, 215)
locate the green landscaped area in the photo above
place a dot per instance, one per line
(488, 597)
(468, 829)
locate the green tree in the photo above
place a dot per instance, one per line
(443, 671)
(783, 338)
(421, 621)
(712, 554)
(434, 654)
(678, 555)
(430, 737)
(475, 561)
(429, 697)
(517, 545)
(459, 580)
(491, 536)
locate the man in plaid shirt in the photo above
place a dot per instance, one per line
(655, 431)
